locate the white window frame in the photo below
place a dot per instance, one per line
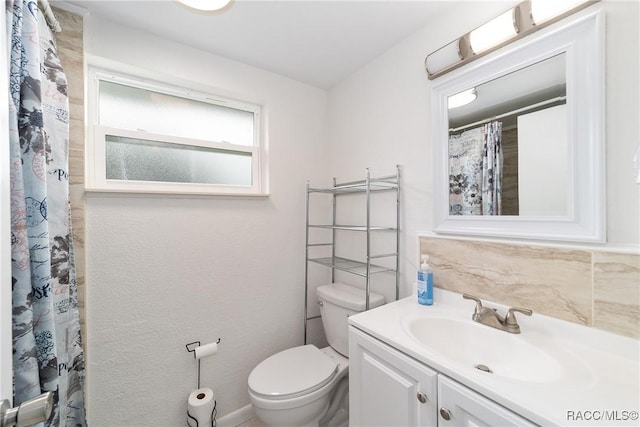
(95, 169)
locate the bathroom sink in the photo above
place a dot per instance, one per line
(495, 352)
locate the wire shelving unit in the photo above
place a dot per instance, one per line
(367, 266)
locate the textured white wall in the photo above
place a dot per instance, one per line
(380, 116)
(165, 271)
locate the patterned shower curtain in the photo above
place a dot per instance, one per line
(475, 171)
(465, 173)
(492, 169)
(47, 349)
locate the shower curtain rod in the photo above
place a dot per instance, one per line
(50, 17)
(510, 113)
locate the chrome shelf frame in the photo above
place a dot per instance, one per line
(358, 268)
(351, 227)
(365, 269)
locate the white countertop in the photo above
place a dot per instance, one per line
(601, 385)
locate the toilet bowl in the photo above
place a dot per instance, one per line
(294, 387)
(303, 385)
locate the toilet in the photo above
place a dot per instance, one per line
(307, 386)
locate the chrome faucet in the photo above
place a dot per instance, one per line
(490, 317)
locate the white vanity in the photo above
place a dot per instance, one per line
(413, 365)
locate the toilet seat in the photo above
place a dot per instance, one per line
(292, 373)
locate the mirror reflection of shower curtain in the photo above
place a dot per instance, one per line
(465, 173)
(475, 171)
(492, 169)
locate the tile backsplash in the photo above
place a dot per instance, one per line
(593, 288)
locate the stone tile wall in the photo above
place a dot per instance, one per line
(616, 292)
(71, 53)
(593, 288)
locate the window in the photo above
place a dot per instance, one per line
(148, 137)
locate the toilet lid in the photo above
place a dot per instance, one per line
(292, 372)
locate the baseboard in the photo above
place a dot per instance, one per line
(236, 418)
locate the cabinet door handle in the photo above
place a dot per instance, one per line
(422, 397)
(445, 413)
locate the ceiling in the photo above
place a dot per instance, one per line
(319, 42)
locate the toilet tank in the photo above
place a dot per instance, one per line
(337, 302)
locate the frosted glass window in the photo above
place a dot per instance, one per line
(126, 107)
(152, 137)
(132, 159)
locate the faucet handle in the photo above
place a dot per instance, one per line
(471, 297)
(476, 299)
(510, 318)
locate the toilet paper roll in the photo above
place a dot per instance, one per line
(206, 350)
(200, 407)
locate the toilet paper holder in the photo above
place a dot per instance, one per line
(191, 348)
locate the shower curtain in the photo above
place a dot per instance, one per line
(47, 349)
(475, 171)
(492, 169)
(465, 173)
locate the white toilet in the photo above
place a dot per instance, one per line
(307, 386)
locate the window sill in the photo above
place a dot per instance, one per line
(93, 192)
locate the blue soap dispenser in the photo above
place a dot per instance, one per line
(425, 282)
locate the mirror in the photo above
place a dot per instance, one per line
(522, 116)
(524, 158)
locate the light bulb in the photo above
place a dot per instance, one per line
(462, 98)
(543, 10)
(206, 5)
(494, 32)
(443, 57)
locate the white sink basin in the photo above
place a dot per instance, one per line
(551, 368)
(471, 344)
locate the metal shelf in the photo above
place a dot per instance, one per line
(351, 266)
(367, 186)
(353, 189)
(352, 227)
(384, 183)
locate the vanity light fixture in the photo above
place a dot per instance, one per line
(206, 5)
(443, 57)
(543, 10)
(494, 32)
(517, 22)
(462, 98)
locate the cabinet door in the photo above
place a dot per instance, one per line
(460, 406)
(387, 387)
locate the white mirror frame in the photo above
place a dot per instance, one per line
(581, 37)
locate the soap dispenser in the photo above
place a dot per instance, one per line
(425, 282)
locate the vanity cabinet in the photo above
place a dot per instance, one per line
(460, 406)
(389, 388)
